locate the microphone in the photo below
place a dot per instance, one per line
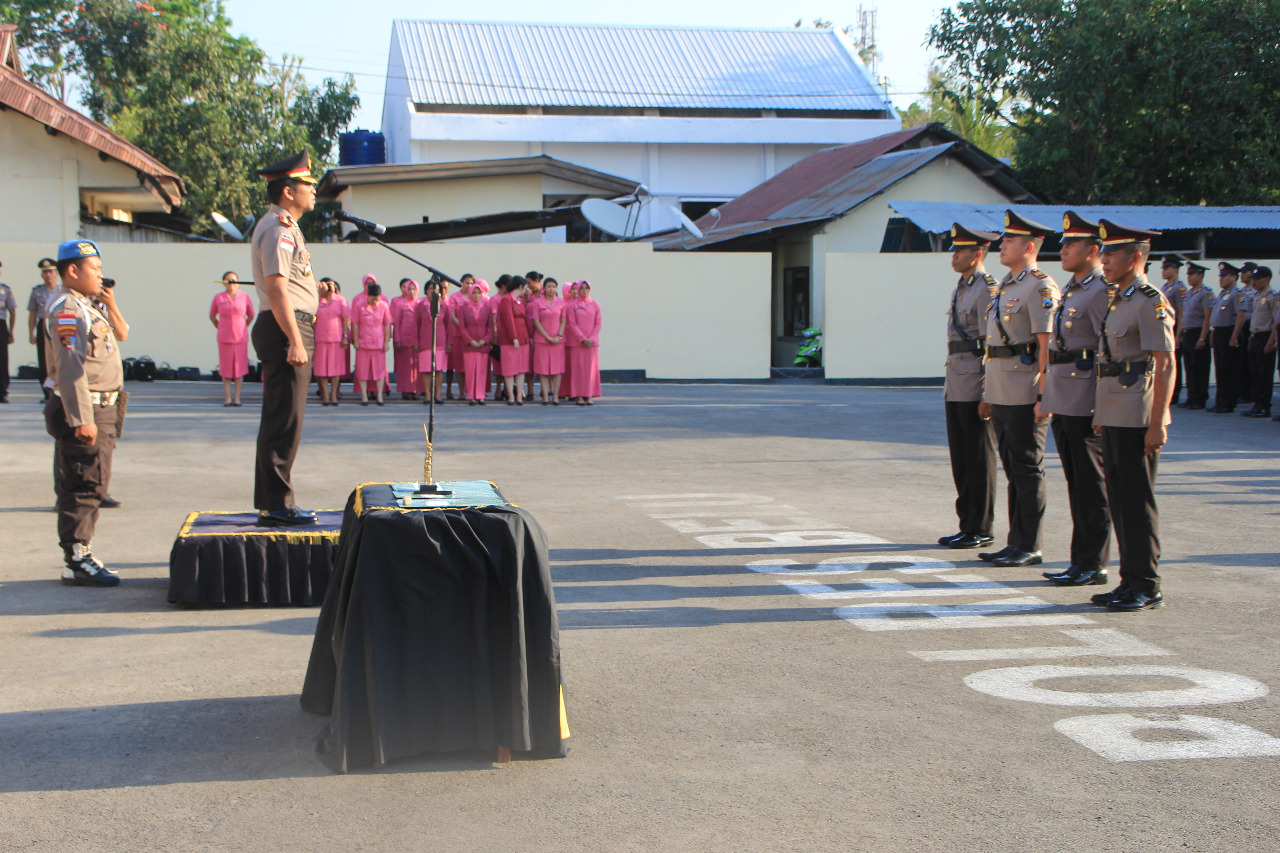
(362, 224)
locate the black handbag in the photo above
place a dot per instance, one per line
(495, 352)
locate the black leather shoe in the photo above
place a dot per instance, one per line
(1259, 413)
(1252, 413)
(1132, 602)
(1076, 576)
(1017, 559)
(992, 556)
(291, 517)
(970, 540)
(1102, 599)
(1195, 406)
(1222, 410)
(109, 502)
(946, 540)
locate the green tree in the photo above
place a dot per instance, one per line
(1126, 101)
(962, 116)
(44, 28)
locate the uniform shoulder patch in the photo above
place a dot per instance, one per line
(1149, 291)
(1040, 274)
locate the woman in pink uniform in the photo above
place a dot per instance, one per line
(533, 281)
(513, 340)
(371, 329)
(472, 320)
(442, 339)
(457, 346)
(333, 325)
(230, 314)
(570, 296)
(404, 335)
(582, 346)
(548, 340)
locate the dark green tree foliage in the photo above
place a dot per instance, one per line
(1127, 101)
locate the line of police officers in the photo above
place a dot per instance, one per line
(1094, 362)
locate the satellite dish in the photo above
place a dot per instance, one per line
(611, 218)
(687, 223)
(225, 225)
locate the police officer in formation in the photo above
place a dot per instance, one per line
(1262, 354)
(1194, 353)
(1175, 293)
(8, 316)
(1226, 321)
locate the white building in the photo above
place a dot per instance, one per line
(698, 116)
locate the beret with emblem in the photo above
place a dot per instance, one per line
(297, 167)
(1076, 227)
(74, 250)
(1116, 236)
(1225, 268)
(962, 237)
(1020, 226)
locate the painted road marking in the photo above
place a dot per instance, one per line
(1104, 642)
(1113, 736)
(1211, 686)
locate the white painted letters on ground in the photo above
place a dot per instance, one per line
(1211, 687)
(1115, 737)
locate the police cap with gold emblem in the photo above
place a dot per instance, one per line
(1172, 261)
(1076, 227)
(1225, 268)
(1192, 266)
(1262, 272)
(74, 250)
(1020, 226)
(47, 264)
(1116, 236)
(962, 237)
(297, 167)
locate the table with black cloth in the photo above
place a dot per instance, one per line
(227, 558)
(438, 633)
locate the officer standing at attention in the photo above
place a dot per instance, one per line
(1175, 292)
(8, 315)
(40, 296)
(1019, 320)
(969, 435)
(1226, 320)
(1262, 361)
(82, 412)
(1244, 382)
(1135, 384)
(1194, 354)
(283, 336)
(1069, 391)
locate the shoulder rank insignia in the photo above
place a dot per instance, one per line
(285, 219)
(1147, 290)
(1129, 290)
(1039, 273)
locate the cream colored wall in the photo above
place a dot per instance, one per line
(407, 202)
(164, 291)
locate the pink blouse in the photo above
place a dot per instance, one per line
(329, 317)
(423, 325)
(404, 317)
(369, 320)
(234, 314)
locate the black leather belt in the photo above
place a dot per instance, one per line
(304, 317)
(1127, 368)
(954, 347)
(1263, 332)
(1071, 356)
(1011, 351)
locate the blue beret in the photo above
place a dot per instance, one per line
(74, 250)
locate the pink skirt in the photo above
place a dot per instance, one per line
(233, 359)
(424, 361)
(330, 360)
(406, 369)
(583, 379)
(548, 359)
(515, 360)
(475, 364)
(458, 354)
(371, 364)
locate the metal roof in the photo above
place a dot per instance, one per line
(479, 64)
(937, 217)
(339, 178)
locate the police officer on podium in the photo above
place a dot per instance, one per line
(969, 435)
(283, 336)
(1069, 391)
(82, 325)
(1019, 321)
(1135, 384)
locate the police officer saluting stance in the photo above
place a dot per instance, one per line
(1019, 320)
(1135, 384)
(1069, 391)
(969, 435)
(81, 414)
(283, 336)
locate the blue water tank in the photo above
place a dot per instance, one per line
(362, 148)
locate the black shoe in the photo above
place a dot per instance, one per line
(1276, 418)
(1252, 413)
(1102, 599)
(1259, 413)
(4, 399)
(997, 555)
(1076, 576)
(84, 569)
(946, 540)
(1195, 406)
(1017, 558)
(291, 517)
(109, 502)
(1222, 410)
(970, 540)
(1132, 602)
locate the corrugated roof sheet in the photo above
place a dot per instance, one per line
(478, 64)
(938, 216)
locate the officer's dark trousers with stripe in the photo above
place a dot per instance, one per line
(973, 466)
(1226, 367)
(1263, 366)
(4, 359)
(81, 472)
(1080, 450)
(284, 400)
(1131, 480)
(1195, 362)
(1021, 443)
(1244, 384)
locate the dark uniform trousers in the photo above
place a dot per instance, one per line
(1020, 440)
(1195, 363)
(42, 367)
(1226, 367)
(4, 358)
(81, 472)
(1244, 384)
(1080, 450)
(1262, 364)
(1131, 480)
(973, 466)
(1180, 357)
(284, 400)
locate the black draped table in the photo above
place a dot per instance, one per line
(226, 558)
(438, 632)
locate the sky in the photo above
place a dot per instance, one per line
(334, 38)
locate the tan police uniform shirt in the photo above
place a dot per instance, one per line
(1024, 307)
(969, 300)
(1139, 323)
(1197, 303)
(1175, 293)
(1225, 305)
(1263, 318)
(1070, 388)
(82, 353)
(278, 249)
